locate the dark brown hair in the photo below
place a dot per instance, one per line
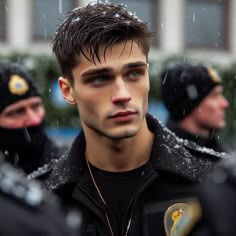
(93, 26)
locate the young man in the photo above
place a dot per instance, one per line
(193, 95)
(124, 170)
(23, 139)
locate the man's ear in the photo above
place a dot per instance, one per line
(66, 90)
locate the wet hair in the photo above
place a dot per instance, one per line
(100, 24)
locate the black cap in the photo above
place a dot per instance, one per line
(15, 84)
(184, 86)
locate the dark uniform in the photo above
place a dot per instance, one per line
(209, 142)
(216, 205)
(34, 163)
(27, 210)
(168, 181)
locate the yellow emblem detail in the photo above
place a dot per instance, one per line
(214, 75)
(180, 218)
(17, 85)
(176, 217)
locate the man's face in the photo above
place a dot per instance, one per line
(111, 96)
(25, 113)
(211, 111)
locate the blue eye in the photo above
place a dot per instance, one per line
(100, 80)
(134, 75)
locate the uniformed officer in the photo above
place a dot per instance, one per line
(193, 95)
(24, 141)
(27, 210)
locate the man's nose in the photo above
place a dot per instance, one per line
(120, 92)
(32, 118)
(224, 102)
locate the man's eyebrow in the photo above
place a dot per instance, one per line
(92, 72)
(135, 64)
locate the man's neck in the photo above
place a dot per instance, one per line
(120, 155)
(192, 127)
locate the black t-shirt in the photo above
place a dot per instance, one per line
(118, 190)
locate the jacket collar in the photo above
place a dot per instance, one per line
(169, 154)
(69, 166)
(181, 157)
(51, 152)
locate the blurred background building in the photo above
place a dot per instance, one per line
(198, 30)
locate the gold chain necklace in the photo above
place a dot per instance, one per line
(104, 202)
(100, 195)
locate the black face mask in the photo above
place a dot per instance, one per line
(23, 140)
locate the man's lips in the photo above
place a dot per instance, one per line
(123, 113)
(122, 116)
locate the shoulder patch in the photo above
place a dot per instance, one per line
(180, 218)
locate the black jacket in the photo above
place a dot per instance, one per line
(210, 142)
(217, 203)
(27, 209)
(175, 169)
(37, 164)
(49, 156)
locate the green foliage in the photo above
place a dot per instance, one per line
(154, 71)
(229, 81)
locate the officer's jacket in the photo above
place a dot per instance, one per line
(217, 204)
(170, 179)
(51, 152)
(27, 209)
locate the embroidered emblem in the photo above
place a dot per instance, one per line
(17, 85)
(213, 75)
(181, 217)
